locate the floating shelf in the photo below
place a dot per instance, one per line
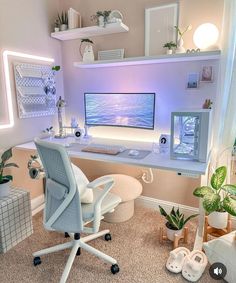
(181, 57)
(90, 31)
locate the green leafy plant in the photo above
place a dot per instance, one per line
(175, 219)
(218, 197)
(170, 45)
(56, 68)
(63, 18)
(81, 43)
(105, 14)
(6, 155)
(181, 33)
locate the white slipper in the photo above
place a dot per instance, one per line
(176, 259)
(194, 265)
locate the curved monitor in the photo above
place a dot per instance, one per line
(136, 110)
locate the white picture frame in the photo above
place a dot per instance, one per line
(193, 81)
(207, 74)
(159, 28)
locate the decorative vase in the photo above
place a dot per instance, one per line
(170, 233)
(169, 51)
(101, 22)
(63, 27)
(180, 48)
(5, 189)
(218, 219)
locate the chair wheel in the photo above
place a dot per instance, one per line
(37, 260)
(67, 235)
(115, 268)
(107, 237)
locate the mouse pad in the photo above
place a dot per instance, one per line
(142, 154)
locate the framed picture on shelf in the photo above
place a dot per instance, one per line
(207, 74)
(159, 27)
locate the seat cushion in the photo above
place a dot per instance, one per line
(86, 194)
(126, 187)
(110, 201)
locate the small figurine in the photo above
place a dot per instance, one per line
(207, 104)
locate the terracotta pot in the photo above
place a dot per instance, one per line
(218, 219)
(170, 233)
(5, 189)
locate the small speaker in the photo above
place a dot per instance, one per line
(78, 132)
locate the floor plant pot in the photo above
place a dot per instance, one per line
(170, 233)
(218, 219)
(5, 189)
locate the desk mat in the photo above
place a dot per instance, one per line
(142, 154)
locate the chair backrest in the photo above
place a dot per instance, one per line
(62, 200)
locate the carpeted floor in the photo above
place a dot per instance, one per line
(135, 245)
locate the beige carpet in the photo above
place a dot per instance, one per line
(135, 245)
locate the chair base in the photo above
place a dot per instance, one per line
(123, 212)
(75, 245)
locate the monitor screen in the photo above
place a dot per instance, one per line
(135, 110)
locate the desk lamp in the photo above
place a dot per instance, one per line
(60, 104)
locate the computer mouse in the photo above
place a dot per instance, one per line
(133, 152)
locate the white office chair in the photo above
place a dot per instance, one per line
(64, 211)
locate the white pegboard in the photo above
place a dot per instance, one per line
(35, 90)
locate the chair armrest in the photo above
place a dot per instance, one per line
(108, 182)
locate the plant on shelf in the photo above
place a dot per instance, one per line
(218, 199)
(63, 21)
(5, 179)
(101, 17)
(169, 46)
(56, 25)
(175, 221)
(180, 42)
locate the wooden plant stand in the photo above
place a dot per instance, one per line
(177, 238)
(208, 230)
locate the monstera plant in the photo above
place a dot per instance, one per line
(218, 198)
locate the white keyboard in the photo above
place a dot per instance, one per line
(104, 148)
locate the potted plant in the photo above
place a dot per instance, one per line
(102, 18)
(56, 25)
(169, 46)
(5, 179)
(175, 222)
(218, 199)
(63, 21)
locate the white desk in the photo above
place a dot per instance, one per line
(152, 160)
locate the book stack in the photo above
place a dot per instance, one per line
(74, 19)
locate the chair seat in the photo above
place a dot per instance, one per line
(109, 202)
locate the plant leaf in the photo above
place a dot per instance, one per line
(202, 191)
(211, 202)
(6, 155)
(11, 165)
(176, 221)
(171, 221)
(162, 211)
(229, 205)
(231, 189)
(56, 68)
(190, 217)
(8, 177)
(177, 212)
(218, 177)
(173, 211)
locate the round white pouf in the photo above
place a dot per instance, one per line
(128, 189)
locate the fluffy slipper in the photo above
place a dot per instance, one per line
(176, 259)
(194, 265)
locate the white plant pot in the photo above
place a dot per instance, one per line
(169, 51)
(218, 219)
(4, 189)
(56, 29)
(63, 27)
(101, 22)
(171, 233)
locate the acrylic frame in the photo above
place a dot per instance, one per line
(207, 74)
(166, 29)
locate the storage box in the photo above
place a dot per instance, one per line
(15, 219)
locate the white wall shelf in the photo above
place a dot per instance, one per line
(182, 57)
(90, 31)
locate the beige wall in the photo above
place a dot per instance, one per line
(26, 27)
